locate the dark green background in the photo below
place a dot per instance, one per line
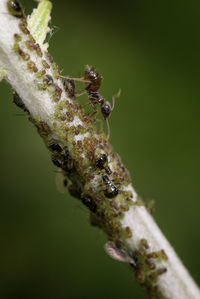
(149, 49)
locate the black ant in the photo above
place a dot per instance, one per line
(89, 203)
(54, 146)
(95, 97)
(111, 190)
(93, 82)
(15, 9)
(102, 163)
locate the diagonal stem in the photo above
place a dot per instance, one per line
(77, 147)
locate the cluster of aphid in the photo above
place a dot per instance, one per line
(143, 261)
(93, 81)
(60, 155)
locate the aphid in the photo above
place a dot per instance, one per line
(18, 101)
(15, 9)
(119, 254)
(111, 190)
(89, 202)
(48, 80)
(69, 87)
(102, 163)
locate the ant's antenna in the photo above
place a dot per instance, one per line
(114, 98)
(108, 127)
(113, 105)
(76, 79)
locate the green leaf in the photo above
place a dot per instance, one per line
(38, 22)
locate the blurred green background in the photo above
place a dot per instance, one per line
(149, 49)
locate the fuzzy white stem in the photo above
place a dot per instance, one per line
(176, 283)
(38, 102)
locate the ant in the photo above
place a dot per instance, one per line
(89, 203)
(101, 162)
(111, 190)
(93, 83)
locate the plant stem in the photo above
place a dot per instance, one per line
(76, 146)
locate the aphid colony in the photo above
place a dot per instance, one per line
(60, 156)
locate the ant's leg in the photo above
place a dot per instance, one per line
(93, 113)
(108, 127)
(80, 94)
(101, 123)
(114, 98)
(76, 79)
(92, 105)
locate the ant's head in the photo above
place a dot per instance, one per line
(111, 191)
(106, 110)
(93, 76)
(101, 161)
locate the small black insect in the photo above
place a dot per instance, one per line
(102, 163)
(96, 98)
(15, 9)
(111, 190)
(69, 87)
(108, 170)
(18, 101)
(55, 147)
(89, 202)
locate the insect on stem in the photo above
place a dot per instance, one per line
(76, 79)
